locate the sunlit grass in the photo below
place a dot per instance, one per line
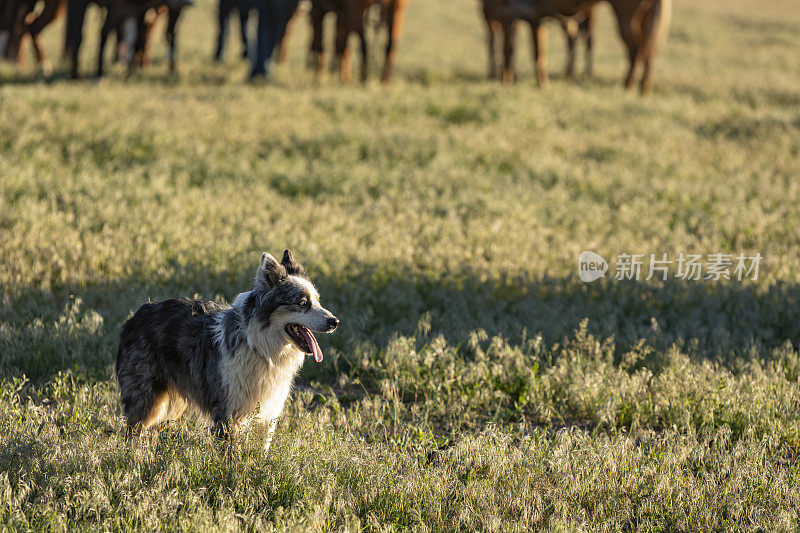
(475, 382)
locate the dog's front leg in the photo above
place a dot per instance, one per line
(221, 429)
(267, 429)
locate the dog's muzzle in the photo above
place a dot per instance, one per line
(333, 323)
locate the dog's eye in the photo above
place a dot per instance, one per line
(303, 302)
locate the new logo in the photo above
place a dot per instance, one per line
(591, 267)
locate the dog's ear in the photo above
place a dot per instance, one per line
(270, 272)
(292, 267)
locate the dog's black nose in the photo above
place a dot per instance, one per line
(333, 322)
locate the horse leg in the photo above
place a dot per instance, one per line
(151, 17)
(244, 16)
(224, 8)
(6, 13)
(317, 48)
(144, 26)
(76, 13)
(632, 55)
(587, 30)
(133, 33)
(172, 20)
(108, 25)
(283, 46)
(17, 31)
(362, 36)
(342, 61)
(491, 35)
(571, 31)
(539, 35)
(395, 18)
(509, 34)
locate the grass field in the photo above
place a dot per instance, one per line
(475, 381)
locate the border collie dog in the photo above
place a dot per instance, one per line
(226, 360)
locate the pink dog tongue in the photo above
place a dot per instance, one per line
(312, 343)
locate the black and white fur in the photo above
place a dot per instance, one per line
(224, 359)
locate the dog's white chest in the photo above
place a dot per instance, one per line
(252, 380)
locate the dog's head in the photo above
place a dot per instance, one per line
(284, 299)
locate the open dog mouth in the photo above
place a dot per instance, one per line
(304, 339)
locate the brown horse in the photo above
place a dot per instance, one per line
(350, 18)
(18, 20)
(499, 20)
(643, 26)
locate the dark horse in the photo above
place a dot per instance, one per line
(129, 20)
(350, 15)
(643, 26)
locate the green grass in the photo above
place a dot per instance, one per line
(475, 382)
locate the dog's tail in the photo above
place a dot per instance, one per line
(130, 335)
